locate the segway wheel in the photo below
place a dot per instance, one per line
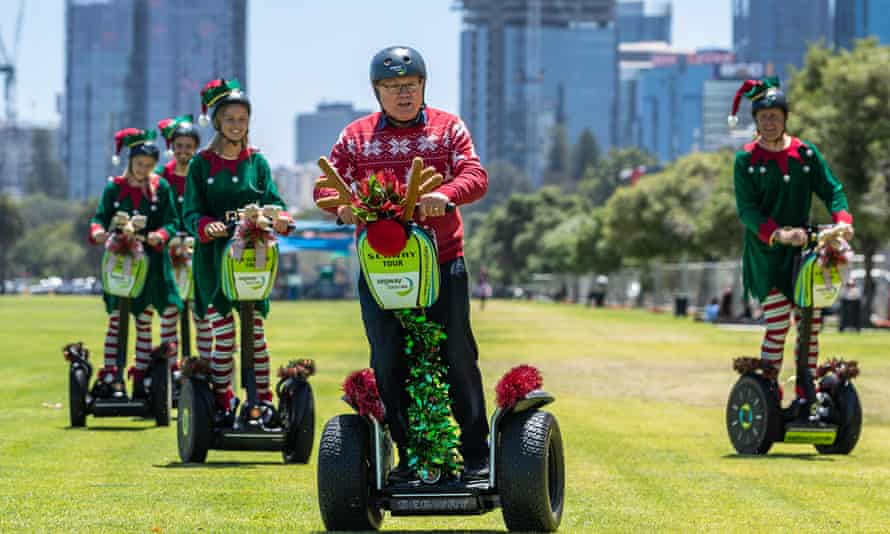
(848, 418)
(300, 416)
(344, 476)
(161, 403)
(77, 396)
(753, 415)
(194, 428)
(531, 472)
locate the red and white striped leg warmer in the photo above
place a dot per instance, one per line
(813, 357)
(261, 361)
(221, 360)
(777, 312)
(143, 343)
(204, 329)
(170, 326)
(111, 340)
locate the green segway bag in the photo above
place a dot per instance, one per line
(242, 280)
(407, 280)
(810, 287)
(123, 275)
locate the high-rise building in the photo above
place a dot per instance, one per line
(529, 64)
(636, 23)
(777, 33)
(317, 132)
(669, 102)
(296, 184)
(717, 97)
(857, 19)
(130, 63)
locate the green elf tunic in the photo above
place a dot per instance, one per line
(214, 186)
(773, 190)
(156, 203)
(177, 184)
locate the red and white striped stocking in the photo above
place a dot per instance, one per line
(170, 326)
(777, 312)
(221, 360)
(111, 342)
(261, 361)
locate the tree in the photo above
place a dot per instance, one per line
(585, 155)
(601, 181)
(51, 250)
(13, 225)
(557, 172)
(504, 180)
(47, 175)
(841, 102)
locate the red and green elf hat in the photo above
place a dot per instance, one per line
(220, 91)
(765, 93)
(134, 139)
(169, 126)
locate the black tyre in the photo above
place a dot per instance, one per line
(848, 416)
(300, 420)
(344, 476)
(161, 401)
(531, 472)
(77, 396)
(753, 415)
(194, 426)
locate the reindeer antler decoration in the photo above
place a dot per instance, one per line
(332, 180)
(420, 182)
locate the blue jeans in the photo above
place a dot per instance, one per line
(385, 335)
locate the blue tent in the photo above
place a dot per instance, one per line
(319, 236)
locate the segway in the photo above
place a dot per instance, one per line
(181, 248)
(248, 277)
(831, 418)
(124, 271)
(527, 471)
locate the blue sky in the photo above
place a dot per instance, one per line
(305, 51)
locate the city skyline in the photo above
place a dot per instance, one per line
(281, 93)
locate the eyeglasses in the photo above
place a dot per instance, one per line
(396, 88)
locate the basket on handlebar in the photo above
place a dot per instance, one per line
(820, 280)
(250, 260)
(124, 263)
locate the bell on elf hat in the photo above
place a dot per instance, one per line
(763, 94)
(218, 93)
(176, 126)
(138, 141)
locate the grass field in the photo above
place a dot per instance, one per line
(640, 399)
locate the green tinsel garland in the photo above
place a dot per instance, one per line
(433, 434)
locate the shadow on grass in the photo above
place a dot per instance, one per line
(807, 456)
(214, 465)
(109, 428)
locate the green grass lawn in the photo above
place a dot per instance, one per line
(640, 400)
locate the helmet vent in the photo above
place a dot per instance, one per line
(407, 59)
(387, 62)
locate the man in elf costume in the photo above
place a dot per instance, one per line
(775, 178)
(226, 176)
(138, 192)
(182, 139)
(389, 140)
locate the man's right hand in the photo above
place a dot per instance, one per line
(345, 214)
(216, 230)
(99, 236)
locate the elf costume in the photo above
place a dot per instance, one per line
(774, 190)
(154, 200)
(214, 186)
(172, 128)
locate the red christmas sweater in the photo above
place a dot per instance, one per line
(371, 144)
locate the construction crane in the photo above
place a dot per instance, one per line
(8, 65)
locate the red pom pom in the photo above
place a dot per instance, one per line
(387, 237)
(361, 392)
(516, 384)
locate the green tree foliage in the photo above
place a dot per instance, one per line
(558, 158)
(13, 224)
(601, 181)
(585, 155)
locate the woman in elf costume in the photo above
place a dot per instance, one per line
(227, 175)
(138, 192)
(182, 139)
(775, 178)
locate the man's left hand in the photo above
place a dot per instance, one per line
(281, 224)
(432, 205)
